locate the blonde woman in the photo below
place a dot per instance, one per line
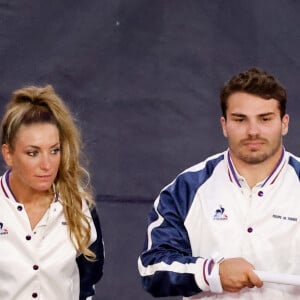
(50, 239)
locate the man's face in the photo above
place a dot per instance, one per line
(253, 127)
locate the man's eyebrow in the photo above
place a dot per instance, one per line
(238, 115)
(260, 115)
(267, 114)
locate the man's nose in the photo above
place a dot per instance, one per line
(253, 128)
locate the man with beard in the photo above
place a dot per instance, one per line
(234, 213)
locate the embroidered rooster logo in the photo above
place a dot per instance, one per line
(219, 214)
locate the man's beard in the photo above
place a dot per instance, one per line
(255, 159)
(257, 156)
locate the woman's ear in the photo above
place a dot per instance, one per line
(6, 154)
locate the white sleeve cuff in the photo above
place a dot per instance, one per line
(213, 277)
(214, 280)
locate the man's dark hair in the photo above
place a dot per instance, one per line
(256, 82)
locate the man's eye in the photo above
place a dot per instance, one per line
(265, 119)
(239, 120)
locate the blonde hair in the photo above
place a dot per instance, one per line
(42, 105)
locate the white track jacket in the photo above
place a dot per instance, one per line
(42, 263)
(209, 208)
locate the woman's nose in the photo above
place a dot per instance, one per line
(45, 162)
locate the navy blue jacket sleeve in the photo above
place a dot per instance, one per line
(90, 272)
(170, 246)
(167, 264)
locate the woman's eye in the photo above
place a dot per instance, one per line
(32, 153)
(55, 150)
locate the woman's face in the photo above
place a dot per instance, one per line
(35, 159)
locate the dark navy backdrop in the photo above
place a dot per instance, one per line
(142, 78)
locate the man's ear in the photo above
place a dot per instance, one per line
(6, 154)
(223, 124)
(285, 124)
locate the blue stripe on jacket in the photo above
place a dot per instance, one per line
(90, 272)
(170, 241)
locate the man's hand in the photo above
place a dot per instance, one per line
(237, 273)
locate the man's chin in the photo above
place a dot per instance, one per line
(253, 157)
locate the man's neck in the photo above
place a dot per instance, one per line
(255, 173)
